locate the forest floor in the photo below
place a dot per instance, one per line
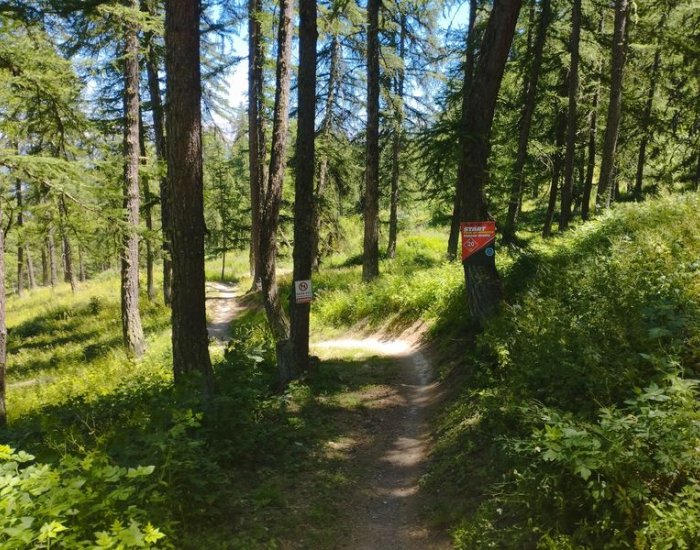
(384, 440)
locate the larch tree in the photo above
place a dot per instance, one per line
(184, 124)
(277, 320)
(612, 126)
(370, 250)
(131, 318)
(304, 188)
(482, 282)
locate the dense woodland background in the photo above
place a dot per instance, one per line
(370, 131)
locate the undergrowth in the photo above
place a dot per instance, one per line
(579, 423)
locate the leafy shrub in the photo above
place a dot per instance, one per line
(81, 502)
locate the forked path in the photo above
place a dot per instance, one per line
(384, 511)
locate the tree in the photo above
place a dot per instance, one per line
(370, 251)
(612, 127)
(482, 282)
(131, 317)
(256, 133)
(304, 189)
(184, 122)
(529, 96)
(276, 318)
(3, 325)
(571, 126)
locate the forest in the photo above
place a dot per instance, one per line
(349, 274)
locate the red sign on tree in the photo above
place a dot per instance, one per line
(478, 242)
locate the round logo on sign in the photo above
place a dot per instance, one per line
(303, 286)
(489, 251)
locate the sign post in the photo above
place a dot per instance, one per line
(478, 243)
(303, 292)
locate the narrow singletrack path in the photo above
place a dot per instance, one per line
(389, 456)
(222, 308)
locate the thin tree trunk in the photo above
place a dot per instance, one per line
(51, 251)
(256, 134)
(20, 237)
(44, 267)
(189, 337)
(3, 326)
(30, 268)
(482, 282)
(68, 271)
(370, 249)
(453, 240)
(304, 189)
(397, 145)
(646, 117)
(612, 128)
(556, 176)
(82, 273)
(132, 330)
(223, 260)
(273, 196)
(326, 127)
(152, 64)
(567, 189)
(148, 214)
(526, 112)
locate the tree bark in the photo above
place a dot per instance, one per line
(256, 134)
(397, 143)
(148, 214)
(152, 63)
(370, 250)
(482, 283)
(132, 330)
(556, 172)
(82, 272)
(68, 271)
(304, 189)
(326, 127)
(453, 240)
(646, 117)
(51, 251)
(273, 196)
(3, 326)
(20, 238)
(31, 279)
(44, 267)
(612, 128)
(182, 45)
(567, 189)
(526, 112)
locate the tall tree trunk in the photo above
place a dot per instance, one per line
(370, 249)
(567, 189)
(3, 326)
(273, 196)
(525, 123)
(326, 127)
(132, 330)
(304, 189)
(20, 238)
(82, 272)
(612, 128)
(152, 63)
(256, 134)
(68, 271)
(397, 143)
(482, 283)
(646, 117)
(51, 251)
(453, 240)
(561, 123)
(30, 268)
(148, 214)
(182, 45)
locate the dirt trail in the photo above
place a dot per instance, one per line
(222, 307)
(384, 511)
